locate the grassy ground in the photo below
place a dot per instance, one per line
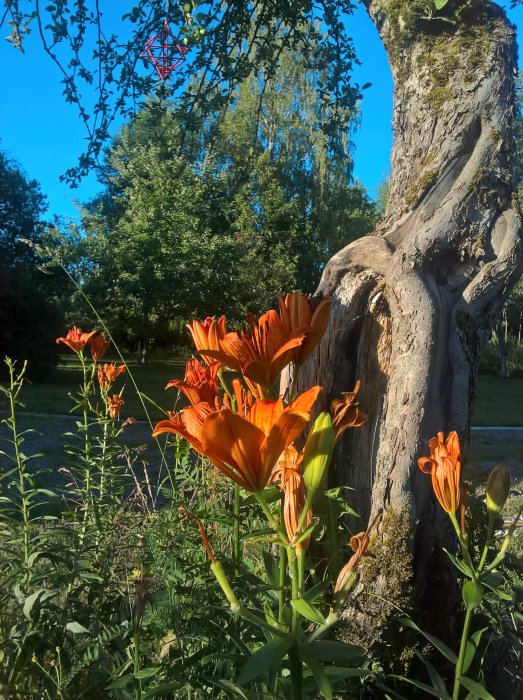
(499, 402)
(54, 395)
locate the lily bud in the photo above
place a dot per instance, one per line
(317, 453)
(498, 488)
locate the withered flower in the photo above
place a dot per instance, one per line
(114, 404)
(288, 473)
(346, 413)
(107, 374)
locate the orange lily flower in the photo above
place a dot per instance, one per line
(246, 448)
(302, 311)
(115, 404)
(207, 334)
(445, 468)
(243, 396)
(345, 412)
(261, 352)
(99, 347)
(288, 473)
(108, 374)
(75, 339)
(187, 423)
(200, 383)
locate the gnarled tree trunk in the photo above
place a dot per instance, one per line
(413, 303)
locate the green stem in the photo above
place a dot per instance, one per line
(104, 456)
(87, 448)
(270, 517)
(462, 650)
(464, 544)
(14, 387)
(281, 583)
(490, 532)
(236, 531)
(332, 619)
(335, 560)
(137, 681)
(296, 673)
(295, 586)
(300, 559)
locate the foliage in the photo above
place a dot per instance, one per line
(257, 189)
(29, 319)
(228, 44)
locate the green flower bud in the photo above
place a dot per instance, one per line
(498, 488)
(317, 453)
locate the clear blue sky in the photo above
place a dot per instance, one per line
(45, 134)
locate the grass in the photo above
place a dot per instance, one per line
(499, 402)
(54, 395)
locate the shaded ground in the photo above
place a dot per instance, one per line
(47, 439)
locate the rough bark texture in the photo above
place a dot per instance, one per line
(414, 302)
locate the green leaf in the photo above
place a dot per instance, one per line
(472, 593)
(30, 601)
(325, 650)
(147, 672)
(437, 643)
(424, 686)
(471, 648)
(340, 672)
(316, 591)
(320, 676)
(492, 581)
(272, 568)
(459, 564)
(265, 658)
(440, 4)
(307, 532)
(76, 628)
(437, 681)
(231, 687)
(121, 682)
(475, 688)
(308, 611)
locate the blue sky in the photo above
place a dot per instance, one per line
(45, 135)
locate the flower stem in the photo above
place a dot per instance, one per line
(236, 530)
(490, 532)
(87, 448)
(296, 673)
(15, 384)
(270, 517)
(462, 650)
(137, 681)
(281, 583)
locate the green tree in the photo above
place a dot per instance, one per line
(173, 236)
(29, 320)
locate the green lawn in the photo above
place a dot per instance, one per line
(499, 402)
(52, 396)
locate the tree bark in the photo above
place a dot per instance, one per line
(414, 302)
